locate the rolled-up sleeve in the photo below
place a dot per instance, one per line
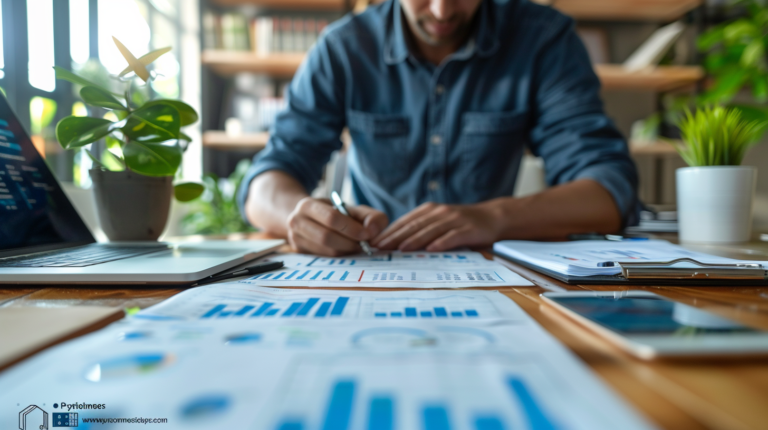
(572, 133)
(308, 131)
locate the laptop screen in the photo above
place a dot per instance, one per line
(34, 212)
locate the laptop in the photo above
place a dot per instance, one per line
(43, 240)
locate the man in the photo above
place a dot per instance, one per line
(441, 97)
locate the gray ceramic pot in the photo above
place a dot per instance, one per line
(131, 206)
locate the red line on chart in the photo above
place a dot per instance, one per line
(361, 276)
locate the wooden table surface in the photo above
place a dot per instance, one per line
(685, 394)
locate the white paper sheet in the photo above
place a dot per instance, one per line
(241, 301)
(389, 270)
(583, 257)
(268, 374)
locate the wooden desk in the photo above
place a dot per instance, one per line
(723, 394)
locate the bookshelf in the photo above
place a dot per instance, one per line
(216, 139)
(227, 63)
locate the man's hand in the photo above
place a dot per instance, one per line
(315, 227)
(438, 227)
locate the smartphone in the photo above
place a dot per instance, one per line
(650, 326)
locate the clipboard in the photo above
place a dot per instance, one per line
(664, 273)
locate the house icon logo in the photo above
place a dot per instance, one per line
(33, 418)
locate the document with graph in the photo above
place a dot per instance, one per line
(237, 301)
(389, 270)
(283, 374)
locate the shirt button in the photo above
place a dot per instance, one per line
(433, 185)
(436, 139)
(439, 89)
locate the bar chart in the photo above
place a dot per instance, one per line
(313, 307)
(429, 392)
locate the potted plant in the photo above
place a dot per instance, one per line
(714, 194)
(134, 183)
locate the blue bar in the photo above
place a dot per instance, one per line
(457, 314)
(292, 309)
(410, 312)
(263, 308)
(267, 275)
(436, 418)
(290, 425)
(303, 275)
(342, 261)
(216, 309)
(307, 307)
(340, 407)
(440, 312)
(272, 312)
(323, 310)
(279, 275)
(380, 416)
(328, 276)
(471, 312)
(244, 310)
(536, 417)
(380, 314)
(316, 275)
(224, 314)
(344, 276)
(488, 423)
(338, 308)
(331, 262)
(396, 314)
(291, 275)
(426, 314)
(255, 277)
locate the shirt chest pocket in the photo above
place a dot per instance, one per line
(490, 146)
(381, 144)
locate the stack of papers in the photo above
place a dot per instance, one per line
(585, 258)
(212, 358)
(390, 270)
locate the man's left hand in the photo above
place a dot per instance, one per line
(439, 227)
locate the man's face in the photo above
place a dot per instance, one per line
(440, 22)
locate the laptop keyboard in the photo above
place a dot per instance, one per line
(81, 257)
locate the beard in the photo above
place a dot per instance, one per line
(439, 33)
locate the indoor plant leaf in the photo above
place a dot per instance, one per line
(187, 113)
(76, 131)
(66, 75)
(187, 191)
(147, 59)
(96, 96)
(95, 160)
(157, 123)
(152, 159)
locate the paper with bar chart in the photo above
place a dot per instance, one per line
(310, 375)
(242, 301)
(390, 270)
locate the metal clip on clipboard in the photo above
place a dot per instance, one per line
(664, 270)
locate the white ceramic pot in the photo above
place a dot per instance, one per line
(714, 203)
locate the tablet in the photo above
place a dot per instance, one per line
(650, 326)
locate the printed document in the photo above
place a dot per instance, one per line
(389, 270)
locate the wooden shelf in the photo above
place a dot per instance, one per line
(661, 78)
(652, 149)
(230, 62)
(221, 140)
(626, 10)
(338, 5)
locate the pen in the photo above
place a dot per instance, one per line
(252, 270)
(339, 205)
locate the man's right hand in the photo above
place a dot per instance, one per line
(315, 227)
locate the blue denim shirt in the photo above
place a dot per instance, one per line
(453, 133)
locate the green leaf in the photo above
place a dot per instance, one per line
(183, 136)
(753, 53)
(75, 79)
(112, 161)
(77, 131)
(96, 96)
(740, 29)
(188, 114)
(187, 191)
(157, 123)
(152, 159)
(710, 38)
(95, 160)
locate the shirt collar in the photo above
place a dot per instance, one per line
(483, 40)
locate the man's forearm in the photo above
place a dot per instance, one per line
(577, 207)
(272, 197)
